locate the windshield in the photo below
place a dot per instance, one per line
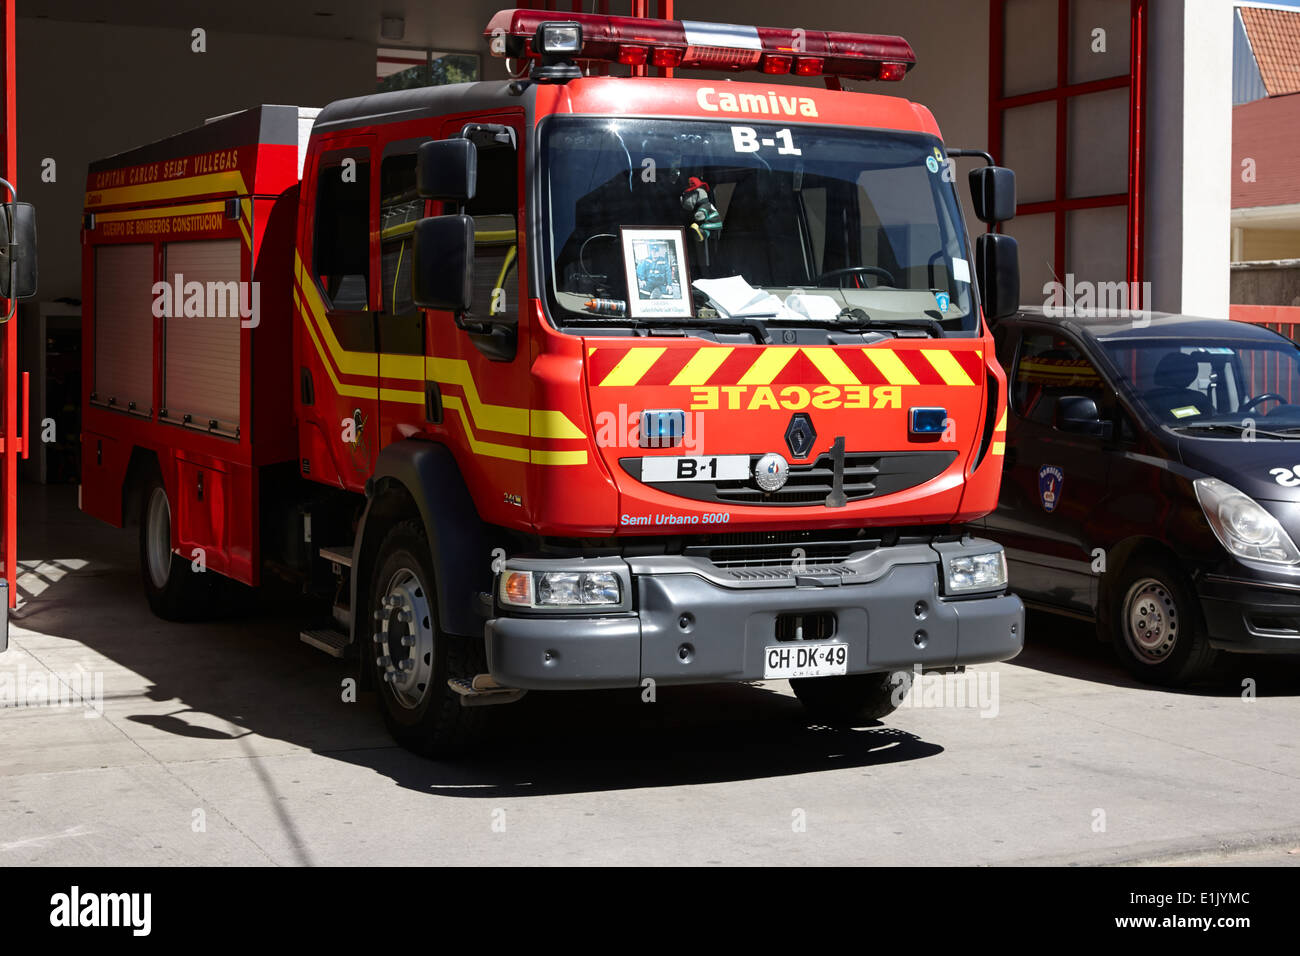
(1214, 385)
(673, 221)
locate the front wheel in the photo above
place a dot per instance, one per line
(411, 659)
(1157, 628)
(852, 699)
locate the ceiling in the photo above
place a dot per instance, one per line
(438, 23)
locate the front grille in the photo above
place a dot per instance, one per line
(751, 555)
(866, 475)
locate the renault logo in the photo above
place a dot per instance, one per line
(800, 435)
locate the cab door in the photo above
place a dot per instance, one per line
(1054, 483)
(341, 295)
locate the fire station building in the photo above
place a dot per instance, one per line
(1115, 114)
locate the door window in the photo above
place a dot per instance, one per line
(1049, 367)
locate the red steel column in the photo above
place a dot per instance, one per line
(9, 342)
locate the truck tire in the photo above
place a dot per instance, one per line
(852, 699)
(175, 591)
(411, 660)
(1157, 628)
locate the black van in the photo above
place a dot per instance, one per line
(1152, 483)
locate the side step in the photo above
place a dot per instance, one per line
(482, 690)
(332, 642)
(340, 556)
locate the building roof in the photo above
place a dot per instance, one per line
(1275, 40)
(1268, 133)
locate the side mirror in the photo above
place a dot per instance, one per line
(442, 274)
(17, 250)
(993, 193)
(446, 169)
(1079, 414)
(997, 267)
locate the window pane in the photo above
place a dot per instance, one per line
(1097, 144)
(342, 242)
(1036, 236)
(1049, 367)
(1029, 147)
(1099, 39)
(1029, 56)
(402, 68)
(1095, 242)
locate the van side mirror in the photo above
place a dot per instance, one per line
(993, 193)
(442, 276)
(17, 250)
(447, 169)
(1079, 414)
(997, 268)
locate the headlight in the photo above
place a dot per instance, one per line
(560, 588)
(977, 572)
(1242, 525)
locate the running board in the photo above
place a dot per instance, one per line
(340, 556)
(482, 690)
(333, 642)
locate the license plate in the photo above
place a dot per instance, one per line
(686, 468)
(805, 660)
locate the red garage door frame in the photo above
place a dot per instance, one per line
(1061, 93)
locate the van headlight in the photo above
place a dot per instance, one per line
(560, 588)
(976, 572)
(1242, 525)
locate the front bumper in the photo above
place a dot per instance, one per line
(690, 622)
(1251, 616)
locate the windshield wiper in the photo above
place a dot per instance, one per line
(1234, 429)
(855, 319)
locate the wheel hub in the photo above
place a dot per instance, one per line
(404, 638)
(1151, 623)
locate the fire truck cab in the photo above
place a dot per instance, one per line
(570, 380)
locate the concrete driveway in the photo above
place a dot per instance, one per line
(230, 742)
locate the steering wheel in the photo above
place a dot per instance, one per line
(1267, 396)
(856, 270)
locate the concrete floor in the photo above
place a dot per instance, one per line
(230, 743)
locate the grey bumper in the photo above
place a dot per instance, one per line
(692, 622)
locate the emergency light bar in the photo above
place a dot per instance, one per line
(697, 45)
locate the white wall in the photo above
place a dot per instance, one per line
(1189, 155)
(90, 90)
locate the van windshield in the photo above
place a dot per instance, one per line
(673, 221)
(1213, 386)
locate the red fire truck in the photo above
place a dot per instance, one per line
(570, 380)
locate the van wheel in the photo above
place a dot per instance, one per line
(1157, 627)
(175, 591)
(411, 660)
(852, 699)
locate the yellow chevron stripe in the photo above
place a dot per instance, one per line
(890, 365)
(947, 366)
(231, 180)
(541, 456)
(497, 418)
(549, 423)
(1002, 422)
(356, 391)
(632, 366)
(399, 395)
(703, 363)
(998, 448)
(768, 365)
(350, 363)
(491, 449)
(831, 366)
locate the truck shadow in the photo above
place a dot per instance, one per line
(1069, 648)
(236, 687)
(599, 741)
